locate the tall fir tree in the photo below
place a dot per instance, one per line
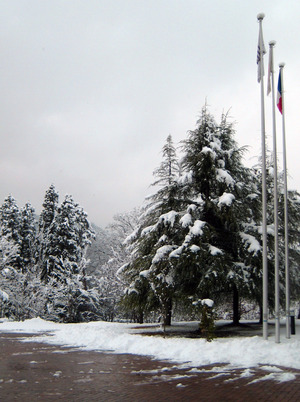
(27, 237)
(63, 251)
(17, 240)
(196, 238)
(68, 236)
(222, 205)
(10, 221)
(47, 216)
(150, 271)
(48, 212)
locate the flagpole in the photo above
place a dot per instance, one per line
(276, 246)
(286, 229)
(260, 17)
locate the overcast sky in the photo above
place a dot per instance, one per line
(90, 89)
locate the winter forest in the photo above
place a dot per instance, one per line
(195, 242)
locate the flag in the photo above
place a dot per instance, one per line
(260, 66)
(279, 94)
(270, 70)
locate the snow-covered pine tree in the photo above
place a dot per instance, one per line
(150, 272)
(168, 171)
(220, 197)
(68, 236)
(63, 242)
(8, 252)
(50, 205)
(27, 237)
(46, 218)
(16, 242)
(10, 220)
(85, 235)
(16, 252)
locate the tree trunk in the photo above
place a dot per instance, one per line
(260, 314)
(235, 306)
(168, 312)
(84, 283)
(140, 318)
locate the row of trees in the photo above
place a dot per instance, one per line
(43, 264)
(200, 233)
(197, 237)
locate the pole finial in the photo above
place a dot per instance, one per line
(272, 43)
(281, 65)
(260, 16)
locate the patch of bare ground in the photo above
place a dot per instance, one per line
(221, 331)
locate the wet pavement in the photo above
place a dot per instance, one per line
(31, 371)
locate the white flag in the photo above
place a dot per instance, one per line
(259, 60)
(270, 70)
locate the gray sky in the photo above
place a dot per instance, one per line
(91, 89)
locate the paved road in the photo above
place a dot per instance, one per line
(39, 372)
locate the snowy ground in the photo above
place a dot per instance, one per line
(237, 352)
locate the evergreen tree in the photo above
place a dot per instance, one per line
(16, 244)
(49, 209)
(8, 252)
(68, 236)
(84, 235)
(10, 221)
(64, 241)
(197, 237)
(150, 272)
(47, 215)
(27, 237)
(168, 171)
(63, 237)
(223, 201)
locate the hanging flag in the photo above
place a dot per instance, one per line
(270, 70)
(279, 94)
(260, 49)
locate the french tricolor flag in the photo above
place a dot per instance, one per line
(279, 94)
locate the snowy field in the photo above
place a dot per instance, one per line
(243, 352)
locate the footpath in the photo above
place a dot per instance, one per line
(31, 371)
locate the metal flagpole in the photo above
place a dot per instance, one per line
(276, 247)
(260, 55)
(286, 229)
